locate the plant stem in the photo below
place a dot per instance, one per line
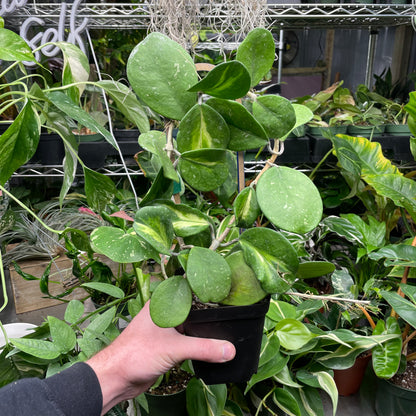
(317, 167)
(367, 315)
(3, 285)
(329, 298)
(269, 162)
(217, 241)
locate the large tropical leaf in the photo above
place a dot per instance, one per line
(229, 80)
(257, 53)
(19, 142)
(289, 199)
(202, 127)
(161, 72)
(245, 131)
(404, 308)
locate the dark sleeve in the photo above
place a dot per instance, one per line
(73, 392)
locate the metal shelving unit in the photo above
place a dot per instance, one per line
(279, 16)
(136, 15)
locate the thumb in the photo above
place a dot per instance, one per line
(206, 349)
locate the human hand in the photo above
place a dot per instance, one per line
(143, 352)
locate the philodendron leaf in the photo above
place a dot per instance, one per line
(401, 190)
(127, 103)
(19, 142)
(257, 53)
(293, 334)
(37, 347)
(74, 311)
(155, 142)
(99, 188)
(245, 131)
(245, 287)
(229, 80)
(404, 308)
(186, 220)
(246, 208)
(63, 336)
(153, 224)
(76, 69)
(164, 311)
(67, 106)
(14, 48)
(386, 356)
(204, 169)
(161, 72)
(271, 256)
(286, 402)
(208, 274)
(327, 383)
(312, 269)
(202, 127)
(205, 400)
(275, 114)
(121, 246)
(289, 199)
(396, 255)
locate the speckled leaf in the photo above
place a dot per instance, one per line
(257, 53)
(208, 274)
(37, 347)
(153, 224)
(246, 208)
(245, 131)
(154, 142)
(303, 115)
(165, 312)
(74, 311)
(161, 72)
(202, 127)
(276, 114)
(289, 199)
(19, 142)
(121, 246)
(161, 188)
(271, 256)
(204, 169)
(63, 336)
(229, 80)
(13, 47)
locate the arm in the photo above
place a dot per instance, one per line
(143, 352)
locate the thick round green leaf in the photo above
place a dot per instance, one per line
(171, 302)
(153, 224)
(63, 336)
(229, 80)
(246, 208)
(276, 114)
(208, 274)
(257, 53)
(120, 246)
(161, 72)
(245, 287)
(289, 199)
(162, 188)
(303, 115)
(13, 47)
(202, 127)
(271, 256)
(204, 169)
(245, 131)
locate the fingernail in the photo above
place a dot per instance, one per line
(228, 352)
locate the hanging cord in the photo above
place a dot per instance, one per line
(110, 124)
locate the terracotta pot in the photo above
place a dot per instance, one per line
(348, 381)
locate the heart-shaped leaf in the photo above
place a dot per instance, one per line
(120, 246)
(257, 53)
(271, 256)
(161, 188)
(63, 336)
(208, 274)
(161, 72)
(276, 114)
(165, 312)
(202, 127)
(45, 350)
(245, 131)
(229, 80)
(246, 208)
(204, 169)
(13, 47)
(289, 199)
(293, 334)
(153, 224)
(99, 188)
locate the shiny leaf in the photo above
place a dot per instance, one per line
(13, 47)
(246, 208)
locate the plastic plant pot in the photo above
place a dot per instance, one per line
(241, 325)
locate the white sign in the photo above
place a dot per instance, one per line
(58, 34)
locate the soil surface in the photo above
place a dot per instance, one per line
(177, 381)
(407, 379)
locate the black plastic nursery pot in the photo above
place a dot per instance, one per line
(241, 325)
(168, 404)
(50, 150)
(393, 400)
